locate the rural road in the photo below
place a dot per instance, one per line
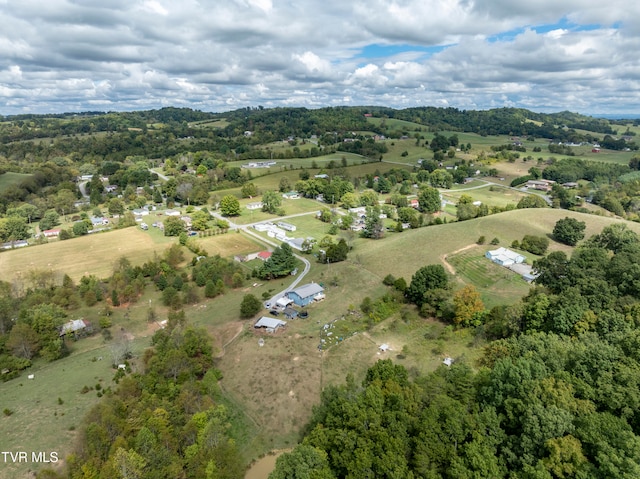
(246, 229)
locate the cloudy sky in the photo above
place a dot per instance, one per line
(218, 55)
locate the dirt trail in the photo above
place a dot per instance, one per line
(448, 265)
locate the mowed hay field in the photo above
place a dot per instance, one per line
(91, 254)
(401, 254)
(97, 254)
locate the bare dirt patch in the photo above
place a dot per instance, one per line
(224, 335)
(448, 265)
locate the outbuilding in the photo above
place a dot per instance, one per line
(505, 257)
(270, 324)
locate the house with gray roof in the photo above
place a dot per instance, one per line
(306, 294)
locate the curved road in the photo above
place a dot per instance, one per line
(246, 229)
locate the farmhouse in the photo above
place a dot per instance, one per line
(99, 221)
(504, 257)
(270, 324)
(172, 213)
(306, 294)
(541, 185)
(51, 233)
(291, 195)
(264, 255)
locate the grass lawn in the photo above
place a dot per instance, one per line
(290, 207)
(48, 409)
(11, 179)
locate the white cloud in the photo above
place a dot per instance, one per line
(216, 54)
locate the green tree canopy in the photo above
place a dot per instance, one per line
(230, 206)
(281, 263)
(569, 231)
(250, 306)
(429, 199)
(427, 278)
(271, 201)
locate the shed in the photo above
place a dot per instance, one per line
(304, 295)
(270, 324)
(290, 313)
(283, 302)
(76, 327)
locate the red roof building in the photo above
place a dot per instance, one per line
(264, 255)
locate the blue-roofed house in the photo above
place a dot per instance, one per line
(306, 294)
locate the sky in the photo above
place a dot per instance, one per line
(219, 55)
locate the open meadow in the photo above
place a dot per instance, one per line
(10, 178)
(92, 254)
(402, 254)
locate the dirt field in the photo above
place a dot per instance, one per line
(276, 384)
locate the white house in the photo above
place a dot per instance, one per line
(505, 257)
(255, 205)
(286, 226)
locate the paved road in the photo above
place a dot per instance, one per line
(82, 186)
(160, 175)
(247, 230)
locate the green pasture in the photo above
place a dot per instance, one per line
(290, 207)
(496, 284)
(309, 225)
(216, 124)
(402, 254)
(491, 195)
(10, 178)
(49, 409)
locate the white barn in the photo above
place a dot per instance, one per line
(505, 257)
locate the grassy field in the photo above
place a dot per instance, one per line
(97, 254)
(429, 245)
(496, 285)
(92, 254)
(48, 409)
(11, 179)
(489, 195)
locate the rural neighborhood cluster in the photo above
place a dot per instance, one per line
(346, 292)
